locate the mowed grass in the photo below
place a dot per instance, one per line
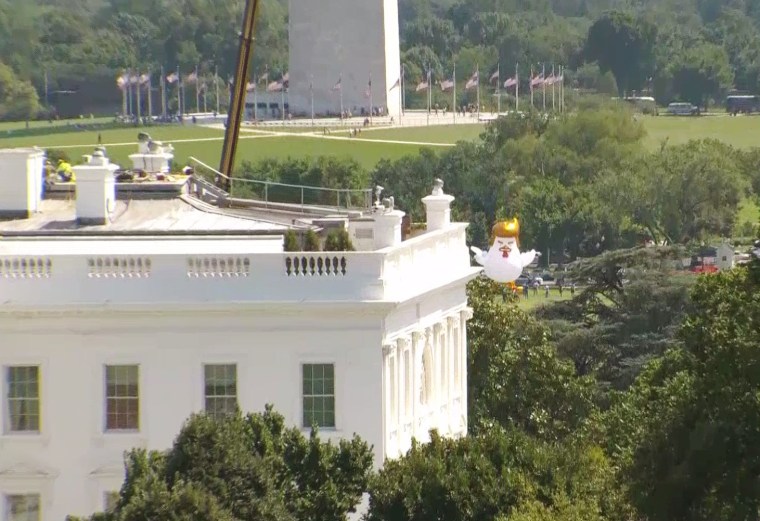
(206, 144)
(739, 131)
(434, 134)
(6, 126)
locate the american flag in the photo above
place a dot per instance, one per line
(171, 78)
(447, 85)
(494, 77)
(250, 86)
(274, 86)
(192, 77)
(422, 85)
(537, 80)
(397, 84)
(511, 82)
(338, 85)
(473, 81)
(121, 81)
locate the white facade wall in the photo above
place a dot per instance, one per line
(391, 321)
(351, 39)
(73, 462)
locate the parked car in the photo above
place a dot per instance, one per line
(683, 109)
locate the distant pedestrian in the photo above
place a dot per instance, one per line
(525, 290)
(572, 289)
(546, 290)
(100, 139)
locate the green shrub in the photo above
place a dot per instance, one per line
(291, 241)
(311, 242)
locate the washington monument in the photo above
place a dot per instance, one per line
(344, 52)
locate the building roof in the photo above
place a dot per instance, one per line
(179, 216)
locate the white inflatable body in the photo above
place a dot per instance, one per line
(503, 262)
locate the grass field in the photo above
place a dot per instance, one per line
(740, 131)
(206, 143)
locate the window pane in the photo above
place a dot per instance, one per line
(319, 395)
(220, 389)
(122, 397)
(23, 399)
(24, 507)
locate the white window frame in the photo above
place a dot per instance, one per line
(335, 395)
(7, 430)
(205, 397)
(7, 503)
(104, 394)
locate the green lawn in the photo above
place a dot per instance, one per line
(434, 134)
(21, 125)
(206, 143)
(739, 131)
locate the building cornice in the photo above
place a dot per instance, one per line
(206, 309)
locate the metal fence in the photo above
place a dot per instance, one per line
(284, 193)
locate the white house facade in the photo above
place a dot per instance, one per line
(110, 339)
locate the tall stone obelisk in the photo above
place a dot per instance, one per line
(351, 41)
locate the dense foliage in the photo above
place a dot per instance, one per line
(582, 184)
(244, 467)
(687, 50)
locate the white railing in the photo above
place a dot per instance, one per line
(147, 277)
(421, 262)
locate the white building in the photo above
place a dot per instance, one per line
(348, 40)
(119, 318)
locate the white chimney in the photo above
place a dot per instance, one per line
(438, 208)
(387, 224)
(21, 181)
(96, 189)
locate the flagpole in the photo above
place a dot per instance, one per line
(530, 85)
(182, 96)
(47, 101)
(340, 80)
(128, 88)
(553, 82)
(517, 87)
(162, 86)
(403, 94)
(543, 84)
(282, 99)
(124, 95)
(369, 86)
(139, 104)
(311, 92)
(427, 97)
(150, 96)
(498, 89)
(197, 92)
(255, 98)
(216, 87)
(454, 108)
(562, 87)
(477, 72)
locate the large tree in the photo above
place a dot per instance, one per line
(624, 44)
(244, 467)
(702, 73)
(687, 435)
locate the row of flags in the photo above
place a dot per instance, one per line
(282, 84)
(537, 80)
(127, 79)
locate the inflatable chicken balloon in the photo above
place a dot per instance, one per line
(504, 262)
